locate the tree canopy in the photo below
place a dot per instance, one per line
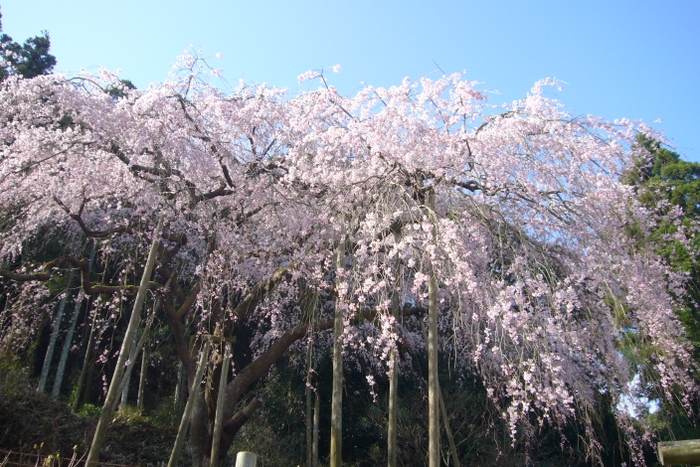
(519, 214)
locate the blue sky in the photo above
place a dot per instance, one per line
(619, 58)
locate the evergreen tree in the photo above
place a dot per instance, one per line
(27, 60)
(666, 183)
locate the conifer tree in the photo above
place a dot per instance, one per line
(26, 60)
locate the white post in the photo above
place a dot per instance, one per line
(246, 459)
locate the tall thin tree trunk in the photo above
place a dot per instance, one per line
(393, 402)
(180, 394)
(433, 388)
(127, 376)
(448, 430)
(142, 378)
(194, 394)
(392, 431)
(433, 384)
(309, 408)
(219, 416)
(135, 350)
(114, 386)
(137, 347)
(82, 388)
(54, 335)
(317, 422)
(337, 393)
(67, 342)
(77, 400)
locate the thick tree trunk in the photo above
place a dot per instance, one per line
(337, 393)
(239, 386)
(114, 386)
(54, 335)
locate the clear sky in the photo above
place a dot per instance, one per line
(638, 59)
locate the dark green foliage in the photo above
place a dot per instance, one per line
(665, 182)
(26, 60)
(662, 173)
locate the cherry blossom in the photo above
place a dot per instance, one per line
(539, 280)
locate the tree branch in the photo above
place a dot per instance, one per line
(259, 290)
